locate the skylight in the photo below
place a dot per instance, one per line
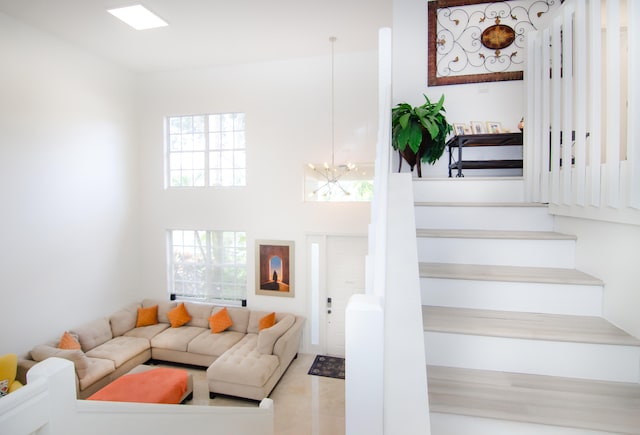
(138, 17)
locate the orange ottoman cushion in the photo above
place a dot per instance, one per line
(159, 385)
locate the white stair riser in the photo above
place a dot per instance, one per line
(468, 190)
(507, 252)
(571, 299)
(567, 359)
(484, 218)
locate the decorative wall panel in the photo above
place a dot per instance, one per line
(479, 41)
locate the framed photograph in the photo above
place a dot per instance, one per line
(274, 268)
(477, 127)
(460, 128)
(494, 127)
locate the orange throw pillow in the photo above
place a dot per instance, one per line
(147, 316)
(178, 316)
(67, 341)
(220, 321)
(267, 321)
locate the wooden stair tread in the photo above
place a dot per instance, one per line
(482, 272)
(551, 400)
(479, 204)
(531, 326)
(492, 234)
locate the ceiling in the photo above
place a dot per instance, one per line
(209, 32)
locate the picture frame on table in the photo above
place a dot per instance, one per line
(494, 127)
(460, 128)
(275, 268)
(477, 127)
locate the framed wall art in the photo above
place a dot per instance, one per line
(471, 41)
(274, 268)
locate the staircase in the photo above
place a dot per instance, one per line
(514, 338)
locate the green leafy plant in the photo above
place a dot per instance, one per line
(423, 129)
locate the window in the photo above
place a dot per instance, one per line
(206, 150)
(208, 265)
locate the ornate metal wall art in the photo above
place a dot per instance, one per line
(478, 41)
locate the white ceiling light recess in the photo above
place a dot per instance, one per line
(138, 17)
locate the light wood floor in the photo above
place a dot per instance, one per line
(595, 405)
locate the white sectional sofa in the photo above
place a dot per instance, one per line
(241, 361)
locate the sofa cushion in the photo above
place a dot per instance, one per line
(178, 316)
(239, 317)
(267, 321)
(76, 356)
(214, 344)
(163, 308)
(220, 321)
(94, 333)
(97, 368)
(254, 320)
(124, 320)
(120, 349)
(68, 341)
(243, 364)
(267, 337)
(147, 332)
(147, 316)
(177, 338)
(200, 314)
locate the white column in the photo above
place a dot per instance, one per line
(364, 355)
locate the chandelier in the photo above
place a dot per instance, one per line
(331, 174)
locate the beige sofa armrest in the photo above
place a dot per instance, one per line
(24, 365)
(287, 346)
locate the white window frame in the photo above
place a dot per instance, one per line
(218, 268)
(205, 150)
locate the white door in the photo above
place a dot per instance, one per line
(345, 269)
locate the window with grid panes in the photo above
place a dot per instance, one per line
(206, 150)
(208, 265)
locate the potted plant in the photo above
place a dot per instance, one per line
(419, 133)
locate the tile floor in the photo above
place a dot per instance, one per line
(303, 404)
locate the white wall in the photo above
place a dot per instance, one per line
(68, 239)
(287, 106)
(497, 101)
(74, 188)
(609, 251)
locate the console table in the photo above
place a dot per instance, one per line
(482, 140)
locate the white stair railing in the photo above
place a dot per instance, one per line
(386, 379)
(581, 140)
(47, 405)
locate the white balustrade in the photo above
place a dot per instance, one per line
(582, 152)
